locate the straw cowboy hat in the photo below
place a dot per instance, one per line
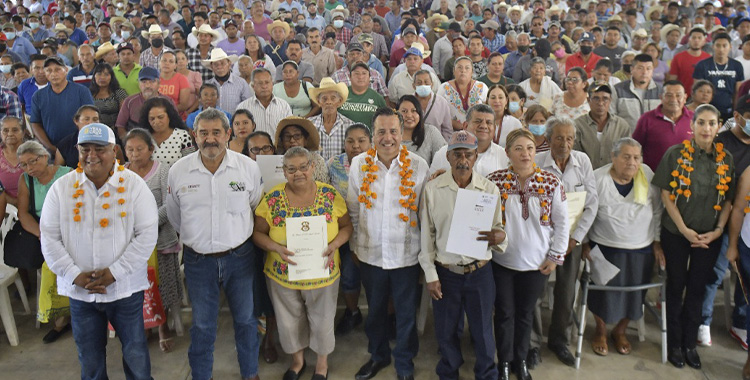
(552, 10)
(668, 29)
(206, 29)
(278, 24)
(515, 8)
(104, 49)
(218, 54)
(313, 136)
(173, 3)
(327, 84)
(339, 9)
(418, 45)
(60, 27)
(117, 19)
(154, 29)
(436, 16)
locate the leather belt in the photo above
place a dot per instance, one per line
(464, 269)
(217, 255)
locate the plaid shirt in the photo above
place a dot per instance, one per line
(344, 35)
(148, 59)
(332, 144)
(194, 63)
(377, 82)
(496, 44)
(10, 105)
(354, 20)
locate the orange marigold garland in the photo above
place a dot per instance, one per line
(681, 174)
(370, 168)
(538, 180)
(104, 222)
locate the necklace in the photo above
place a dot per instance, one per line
(408, 202)
(681, 174)
(717, 67)
(104, 222)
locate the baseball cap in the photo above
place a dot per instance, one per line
(743, 104)
(600, 87)
(410, 30)
(104, 23)
(353, 46)
(96, 133)
(360, 64)
(586, 37)
(54, 61)
(413, 51)
(555, 23)
(148, 73)
(365, 37)
(229, 23)
(454, 26)
(462, 139)
(125, 46)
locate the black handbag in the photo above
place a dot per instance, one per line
(22, 249)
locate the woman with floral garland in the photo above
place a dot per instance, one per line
(305, 310)
(695, 179)
(534, 212)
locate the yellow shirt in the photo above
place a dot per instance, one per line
(274, 208)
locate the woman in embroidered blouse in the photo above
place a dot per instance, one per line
(296, 131)
(243, 124)
(108, 96)
(540, 89)
(573, 102)
(305, 310)
(12, 135)
(462, 92)
(139, 148)
(696, 179)
(173, 141)
(535, 120)
(423, 139)
(535, 213)
(497, 98)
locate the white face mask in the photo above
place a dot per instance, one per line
(33, 25)
(5, 69)
(338, 24)
(424, 91)
(125, 34)
(301, 23)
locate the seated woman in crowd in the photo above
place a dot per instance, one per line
(535, 212)
(539, 88)
(161, 119)
(243, 124)
(516, 101)
(573, 102)
(330, 123)
(294, 91)
(12, 135)
(423, 139)
(296, 131)
(305, 310)
(108, 96)
(462, 92)
(627, 202)
(701, 93)
(139, 147)
(535, 121)
(497, 98)
(38, 177)
(436, 109)
(254, 52)
(696, 179)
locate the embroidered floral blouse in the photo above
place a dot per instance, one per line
(477, 95)
(275, 208)
(536, 216)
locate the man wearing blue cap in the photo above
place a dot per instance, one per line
(130, 112)
(585, 58)
(53, 107)
(403, 83)
(98, 228)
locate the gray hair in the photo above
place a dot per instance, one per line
(538, 61)
(86, 46)
(257, 71)
(511, 34)
(11, 118)
(557, 121)
(523, 34)
(481, 108)
(297, 151)
(625, 141)
(421, 72)
(212, 114)
(33, 147)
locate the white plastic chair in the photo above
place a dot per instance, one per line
(10, 276)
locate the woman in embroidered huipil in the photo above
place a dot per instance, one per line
(463, 92)
(305, 310)
(535, 214)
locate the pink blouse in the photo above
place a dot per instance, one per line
(9, 174)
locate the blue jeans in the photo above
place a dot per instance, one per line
(744, 267)
(350, 278)
(205, 275)
(403, 285)
(89, 322)
(707, 311)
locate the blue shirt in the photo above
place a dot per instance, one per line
(26, 90)
(79, 37)
(316, 22)
(510, 63)
(724, 78)
(276, 52)
(495, 44)
(55, 111)
(77, 75)
(23, 48)
(191, 118)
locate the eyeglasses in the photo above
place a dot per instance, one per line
(289, 137)
(302, 168)
(572, 80)
(32, 162)
(469, 155)
(264, 149)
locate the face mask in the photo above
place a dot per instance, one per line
(125, 34)
(91, 36)
(120, 13)
(555, 18)
(61, 41)
(626, 67)
(5, 69)
(67, 14)
(586, 50)
(537, 129)
(338, 24)
(288, 20)
(10, 35)
(424, 91)
(745, 128)
(33, 25)
(157, 43)
(301, 23)
(513, 107)
(523, 48)
(560, 53)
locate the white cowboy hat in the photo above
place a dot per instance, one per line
(278, 24)
(154, 29)
(552, 10)
(327, 84)
(339, 9)
(218, 54)
(206, 29)
(668, 29)
(418, 45)
(60, 27)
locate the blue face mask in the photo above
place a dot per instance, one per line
(537, 129)
(10, 35)
(424, 91)
(746, 127)
(513, 107)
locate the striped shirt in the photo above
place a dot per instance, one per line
(332, 144)
(194, 63)
(232, 92)
(377, 82)
(266, 119)
(148, 59)
(78, 75)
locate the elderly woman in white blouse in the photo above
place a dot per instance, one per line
(626, 230)
(535, 215)
(540, 89)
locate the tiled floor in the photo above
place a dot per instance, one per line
(58, 361)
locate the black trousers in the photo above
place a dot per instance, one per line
(515, 300)
(688, 271)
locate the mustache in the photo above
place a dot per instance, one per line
(463, 167)
(210, 145)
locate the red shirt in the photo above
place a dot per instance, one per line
(576, 60)
(656, 134)
(382, 11)
(683, 65)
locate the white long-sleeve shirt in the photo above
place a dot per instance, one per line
(123, 246)
(380, 238)
(213, 212)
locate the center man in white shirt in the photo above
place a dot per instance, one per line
(212, 195)
(385, 184)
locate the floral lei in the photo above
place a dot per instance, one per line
(681, 175)
(406, 188)
(540, 190)
(104, 222)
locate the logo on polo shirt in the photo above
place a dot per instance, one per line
(237, 186)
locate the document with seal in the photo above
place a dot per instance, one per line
(473, 212)
(307, 237)
(271, 171)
